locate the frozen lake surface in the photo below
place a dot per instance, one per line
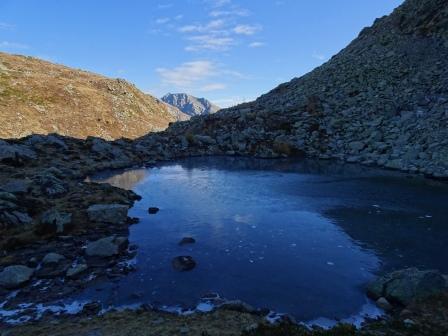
(298, 237)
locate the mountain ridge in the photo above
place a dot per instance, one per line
(189, 104)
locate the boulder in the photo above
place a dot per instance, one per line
(15, 276)
(237, 305)
(11, 153)
(75, 271)
(106, 247)
(14, 219)
(17, 186)
(404, 286)
(51, 140)
(108, 213)
(183, 263)
(52, 221)
(52, 258)
(50, 183)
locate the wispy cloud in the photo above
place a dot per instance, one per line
(163, 20)
(164, 5)
(187, 73)
(245, 29)
(13, 45)
(211, 42)
(208, 27)
(6, 26)
(256, 44)
(224, 31)
(196, 76)
(218, 3)
(213, 87)
(231, 12)
(319, 56)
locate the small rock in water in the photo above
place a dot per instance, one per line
(187, 240)
(153, 210)
(183, 263)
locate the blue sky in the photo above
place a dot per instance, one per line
(228, 51)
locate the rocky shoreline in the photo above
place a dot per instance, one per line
(60, 234)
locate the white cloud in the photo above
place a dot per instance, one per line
(256, 44)
(218, 3)
(163, 20)
(13, 45)
(213, 87)
(245, 29)
(164, 6)
(209, 42)
(187, 73)
(232, 12)
(319, 56)
(196, 76)
(210, 26)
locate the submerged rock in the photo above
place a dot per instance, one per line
(108, 213)
(106, 247)
(404, 286)
(153, 210)
(15, 276)
(187, 240)
(183, 263)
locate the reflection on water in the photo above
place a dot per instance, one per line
(301, 237)
(127, 179)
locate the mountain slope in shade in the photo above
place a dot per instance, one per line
(190, 105)
(40, 97)
(382, 100)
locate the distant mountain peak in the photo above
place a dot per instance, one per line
(189, 104)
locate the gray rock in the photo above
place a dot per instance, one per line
(404, 286)
(15, 276)
(52, 258)
(53, 221)
(183, 263)
(383, 304)
(106, 149)
(17, 186)
(37, 139)
(15, 153)
(237, 305)
(75, 271)
(106, 247)
(50, 184)
(205, 139)
(108, 213)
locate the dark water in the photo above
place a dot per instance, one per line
(299, 237)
